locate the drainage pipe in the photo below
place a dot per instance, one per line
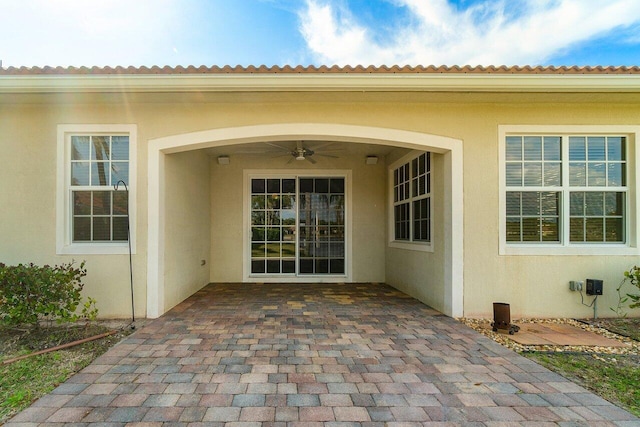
(60, 347)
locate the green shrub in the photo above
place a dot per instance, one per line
(633, 277)
(30, 294)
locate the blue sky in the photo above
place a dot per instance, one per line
(319, 32)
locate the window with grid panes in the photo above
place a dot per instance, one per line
(565, 189)
(412, 200)
(99, 212)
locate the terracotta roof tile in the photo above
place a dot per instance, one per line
(323, 69)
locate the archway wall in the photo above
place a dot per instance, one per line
(187, 225)
(447, 294)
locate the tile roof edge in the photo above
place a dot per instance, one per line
(323, 69)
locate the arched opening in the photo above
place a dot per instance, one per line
(449, 151)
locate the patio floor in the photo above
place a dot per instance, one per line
(313, 355)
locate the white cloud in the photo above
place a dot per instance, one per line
(487, 33)
(81, 32)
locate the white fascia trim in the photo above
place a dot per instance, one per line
(64, 246)
(428, 82)
(547, 249)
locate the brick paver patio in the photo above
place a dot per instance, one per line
(315, 355)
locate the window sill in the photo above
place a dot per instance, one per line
(95, 249)
(553, 250)
(412, 246)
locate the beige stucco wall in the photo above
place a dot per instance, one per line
(188, 225)
(533, 285)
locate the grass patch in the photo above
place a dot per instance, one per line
(26, 380)
(615, 378)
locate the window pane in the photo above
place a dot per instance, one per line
(119, 172)
(513, 203)
(414, 168)
(273, 201)
(552, 149)
(422, 164)
(273, 234)
(594, 229)
(596, 148)
(288, 266)
(289, 186)
(272, 217)
(614, 230)
(258, 202)
(258, 266)
(577, 174)
(82, 202)
(531, 203)
(119, 148)
(102, 203)
(258, 234)
(100, 148)
(616, 175)
(513, 230)
(596, 174)
(577, 149)
(81, 229)
(532, 148)
(101, 228)
(577, 204)
(273, 186)
(288, 250)
(514, 148)
(616, 148)
(336, 266)
(120, 202)
(322, 185)
(120, 233)
(79, 148)
(336, 185)
(594, 203)
(306, 185)
(273, 250)
(614, 203)
(514, 174)
(576, 229)
(100, 173)
(550, 230)
(273, 266)
(80, 173)
(258, 186)
(532, 174)
(531, 229)
(552, 174)
(549, 203)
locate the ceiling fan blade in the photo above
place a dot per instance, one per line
(327, 155)
(311, 160)
(278, 146)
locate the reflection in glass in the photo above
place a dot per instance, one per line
(514, 148)
(552, 148)
(80, 148)
(614, 230)
(577, 148)
(596, 148)
(594, 229)
(514, 174)
(552, 175)
(616, 148)
(533, 174)
(532, 148)
(594, 203)
(576, 203)
(614, 203)
(616, 175)
(80, 173)
(596, 174)
(513, 203)
(576, 229)
(577, 174)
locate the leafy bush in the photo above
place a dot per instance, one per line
(633, 277)
(30, 294)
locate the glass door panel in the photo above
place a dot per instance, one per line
(318, 248)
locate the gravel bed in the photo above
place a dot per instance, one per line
(484, 327)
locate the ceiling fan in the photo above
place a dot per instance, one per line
(300, 152)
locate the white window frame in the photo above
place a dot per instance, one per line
(564, 247)
(411, 245)
(64, 242)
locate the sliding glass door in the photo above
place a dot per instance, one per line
(298, 226)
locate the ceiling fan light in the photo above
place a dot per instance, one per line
(300, 156)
